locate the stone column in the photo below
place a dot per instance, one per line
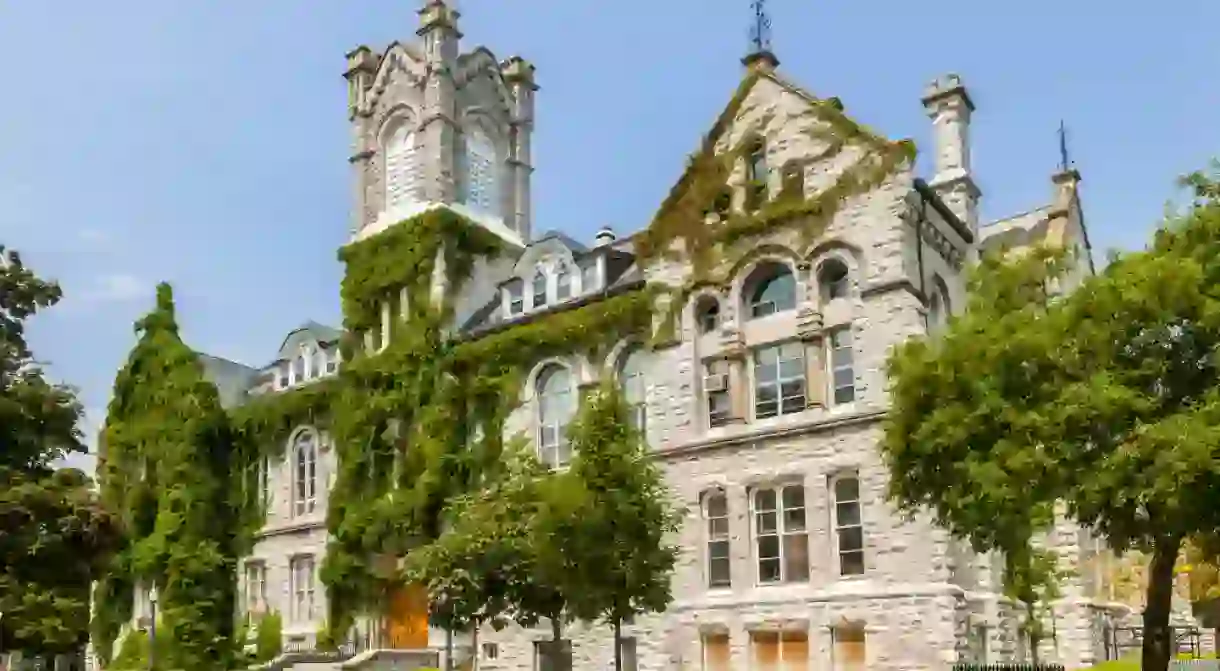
(438, 124)
(949, 106)
(810, 331)
(519, 75)
(736, 357)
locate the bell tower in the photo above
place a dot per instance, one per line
(438, 126)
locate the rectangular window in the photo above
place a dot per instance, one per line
(491, 651)
(716, 654)
(842, 372)
(516, 297)
(588, 276)
(256, 586)
(563, 283)
(780, 536)
(264, 485)
(779, 650)
(779, 380)
(716, 514)
(716, 387)
(302, 587)
(547, 659)
(848, 649)
(849, 527)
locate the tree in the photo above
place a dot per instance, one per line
(53, 534)
(166, 471)
(1105, 399)
(622, 557)
(962, 437)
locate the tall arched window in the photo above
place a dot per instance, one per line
(834, 280)
(556, 405)
(399, 166)
(563, 282)
(635, 389)
(539, 288)
(482, 173)
(305, 472)
(770, 288)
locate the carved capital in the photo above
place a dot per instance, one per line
(809, 324)
(732, 345)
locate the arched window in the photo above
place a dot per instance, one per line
(834, 280)
(939, 308)
(539, 288)
(707, 314)
(482, 173)
(635, 389)
(563, 282)
(556, 405)
(400, 170)
(305, 472)
(298, 369)
(770, 288)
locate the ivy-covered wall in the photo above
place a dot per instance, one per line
(423, 418)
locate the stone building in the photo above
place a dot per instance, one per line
(764, 406)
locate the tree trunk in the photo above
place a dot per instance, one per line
(559, 660)
(618, 644)
(1158, 602)
(1033, 628)
(448, 649)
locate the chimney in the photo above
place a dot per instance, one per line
(949, 106)
(604, 237)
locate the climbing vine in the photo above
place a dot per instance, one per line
(418, 411)
(167, 474)
(422, 420)
(696, 223)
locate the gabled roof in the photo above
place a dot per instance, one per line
(313, 330)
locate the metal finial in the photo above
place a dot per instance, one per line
(760, 31)
(1065, 162)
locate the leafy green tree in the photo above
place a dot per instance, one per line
(1106, 399)
(54, 536)
(166, 471)
(962, 437)
(620, 545)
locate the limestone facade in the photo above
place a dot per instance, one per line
(765, 410)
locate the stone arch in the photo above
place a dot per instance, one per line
(398, 148)
(744, 270)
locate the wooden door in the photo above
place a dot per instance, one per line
(407, 621)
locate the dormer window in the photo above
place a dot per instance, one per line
(516, 297)
(563, 282)
(298, 369)
(588, 276)
(539, 289)
(282, 375)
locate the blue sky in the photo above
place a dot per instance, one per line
(205, 142)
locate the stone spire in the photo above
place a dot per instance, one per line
(760, 56)
(949, 106)
(438, 31)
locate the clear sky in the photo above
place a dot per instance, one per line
(205, 142)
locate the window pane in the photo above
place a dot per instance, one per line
(765, 522)
(718, 572)
(764, 499)
(796, 558)
(851, 539)
(794, 496)
(844, 378)
(718, 527)
(794, 520)
(847, 489)
(847, 514)
(768, 547)
(851, 563)
(768, 570)
(717, 505)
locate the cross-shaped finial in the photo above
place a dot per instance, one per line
(1065, 163)
(760, 31)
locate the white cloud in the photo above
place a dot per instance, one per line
(117, 288)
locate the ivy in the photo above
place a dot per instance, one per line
(695, 224)
(167, 475)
